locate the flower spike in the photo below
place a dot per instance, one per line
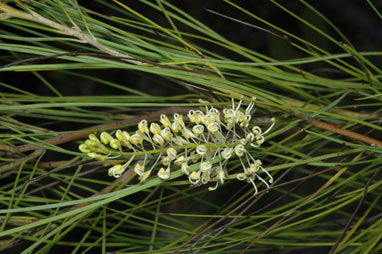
(207, 137)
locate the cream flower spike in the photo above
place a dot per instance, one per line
(200, 144)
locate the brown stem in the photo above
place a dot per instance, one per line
(332, 127)
(73, 136)
(351, 134)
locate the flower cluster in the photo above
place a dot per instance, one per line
(209, 138)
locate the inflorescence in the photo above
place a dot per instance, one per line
(205, 137)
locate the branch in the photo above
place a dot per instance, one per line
(332, 127)
(73, 136)
(351, 134)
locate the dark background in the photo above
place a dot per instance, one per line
(355, 19)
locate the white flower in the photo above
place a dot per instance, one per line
(191, 116)
(158, 140)
(144, 176)
(179, 119)
(241, 176)
(155, 128)
(166, 134)
(205, 166)
(180, 160)
(116, 171)
(198, 129)
(105, 138)
(201, 149)
(164, 173)
(240, 150)
(84, 148)
(139, 169)
(166, 160)
(176, 126)
(194, 177)
(199, 116)
(213, 127)
(136, 139)
(123, 137)
(164, 120)
(178, 140)
(171, 153)
(115, 144)
(185, 168)
(205, 177)
(227, 153)
(142, 127)
(220, 174)
(260, 140)
(256, 130)
(187, 133)
(240, 117)
(213, 116)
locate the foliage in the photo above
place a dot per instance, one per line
(69, 71)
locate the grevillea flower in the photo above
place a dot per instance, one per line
(206, 138)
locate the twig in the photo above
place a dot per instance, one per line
(74, 32)
(351, 134)
(73, 136)
(332, 127)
